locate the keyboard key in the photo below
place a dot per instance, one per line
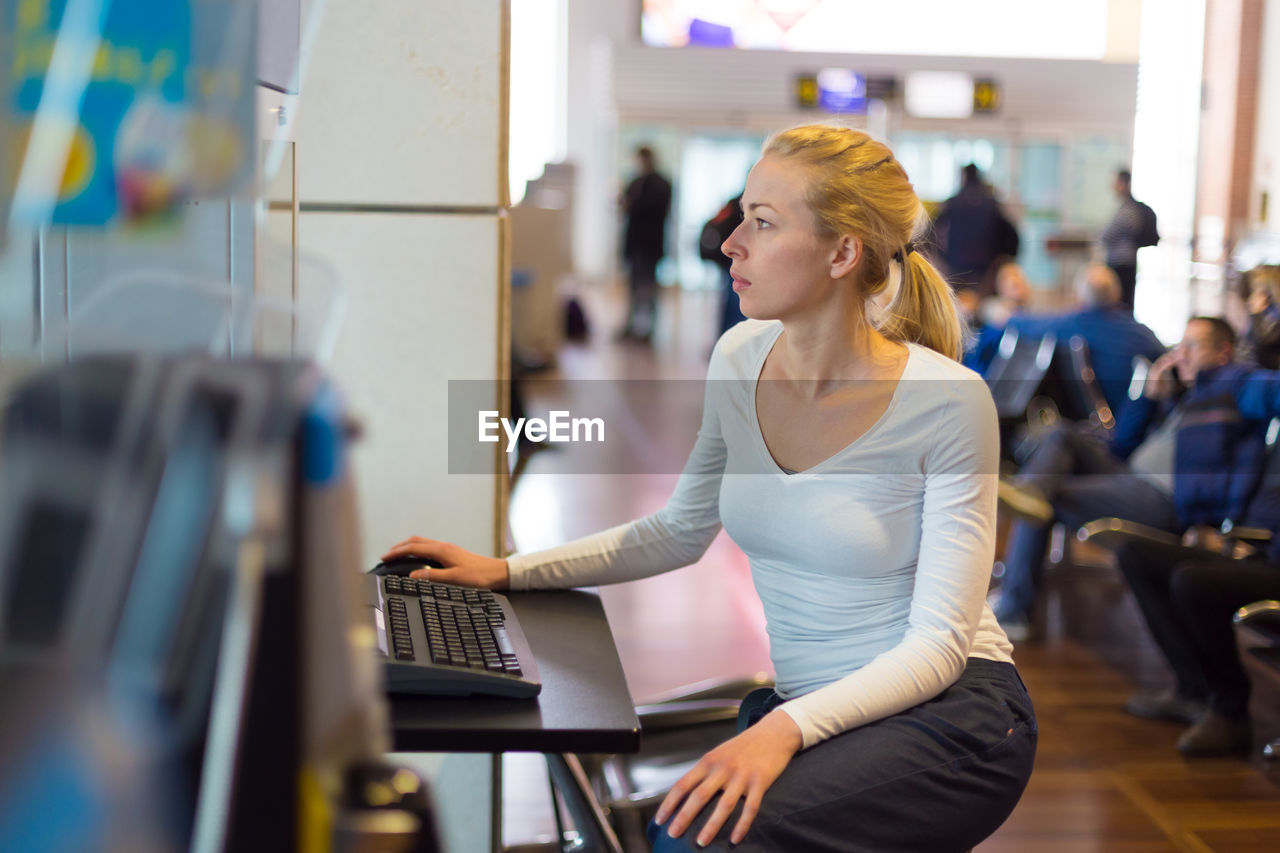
(504, 642)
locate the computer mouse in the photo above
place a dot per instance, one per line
(404, 565)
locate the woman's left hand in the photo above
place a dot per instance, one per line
(743, 767)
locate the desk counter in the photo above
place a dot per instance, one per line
(584, 706)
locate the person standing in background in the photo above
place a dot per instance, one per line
(646, 204)
(1132, 227)
(973, 232)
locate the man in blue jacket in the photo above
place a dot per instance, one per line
(1188, 594)
(1200, 465)
(1107, 326)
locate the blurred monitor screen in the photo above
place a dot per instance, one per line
(938, 94)
(1034, 29)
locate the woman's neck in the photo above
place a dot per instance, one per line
(819, 356)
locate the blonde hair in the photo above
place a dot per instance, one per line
(857, 187)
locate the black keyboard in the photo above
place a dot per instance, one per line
(444, 639)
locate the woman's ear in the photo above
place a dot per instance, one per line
(847, 255)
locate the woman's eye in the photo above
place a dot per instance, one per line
(761, 223)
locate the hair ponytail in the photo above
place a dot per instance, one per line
(923, 310)
(857, 187)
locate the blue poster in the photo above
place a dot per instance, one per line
(137, 104)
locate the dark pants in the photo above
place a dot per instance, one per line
(936, 778)
(1188, 598)
(643, 283)
(1076, 472)
(1128, 276)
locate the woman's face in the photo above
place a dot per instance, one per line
(782, 266)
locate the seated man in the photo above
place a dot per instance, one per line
(1188, 596)
(1107, 326)
(1198, 466)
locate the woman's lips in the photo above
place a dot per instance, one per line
(739, 283)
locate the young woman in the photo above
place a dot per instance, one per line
(854, 462)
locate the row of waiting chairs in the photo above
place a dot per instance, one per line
(1035, 380)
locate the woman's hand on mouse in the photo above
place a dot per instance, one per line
(460, 566)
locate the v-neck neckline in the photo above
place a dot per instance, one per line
(758, 432)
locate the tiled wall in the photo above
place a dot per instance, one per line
(401, 158)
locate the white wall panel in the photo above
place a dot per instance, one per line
(422, 298)
(402, 104)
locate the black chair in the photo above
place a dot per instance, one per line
(1258, 631)
(1079, 396)
(1060, 537)
(1015, 376)
(1018, 370)
(1138, 379)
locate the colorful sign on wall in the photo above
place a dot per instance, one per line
(138, 104)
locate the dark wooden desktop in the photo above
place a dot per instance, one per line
(584, 706)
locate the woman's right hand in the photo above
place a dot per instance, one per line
(460, 566)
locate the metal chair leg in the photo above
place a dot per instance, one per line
(595, 835)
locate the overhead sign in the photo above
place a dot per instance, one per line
(842, 91)
(986, 96)
(807, 91)
(882, 88)
(938, 94)
(837, 90)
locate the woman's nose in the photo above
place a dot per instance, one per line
(731, 246)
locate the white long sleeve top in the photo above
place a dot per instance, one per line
(872, 565)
